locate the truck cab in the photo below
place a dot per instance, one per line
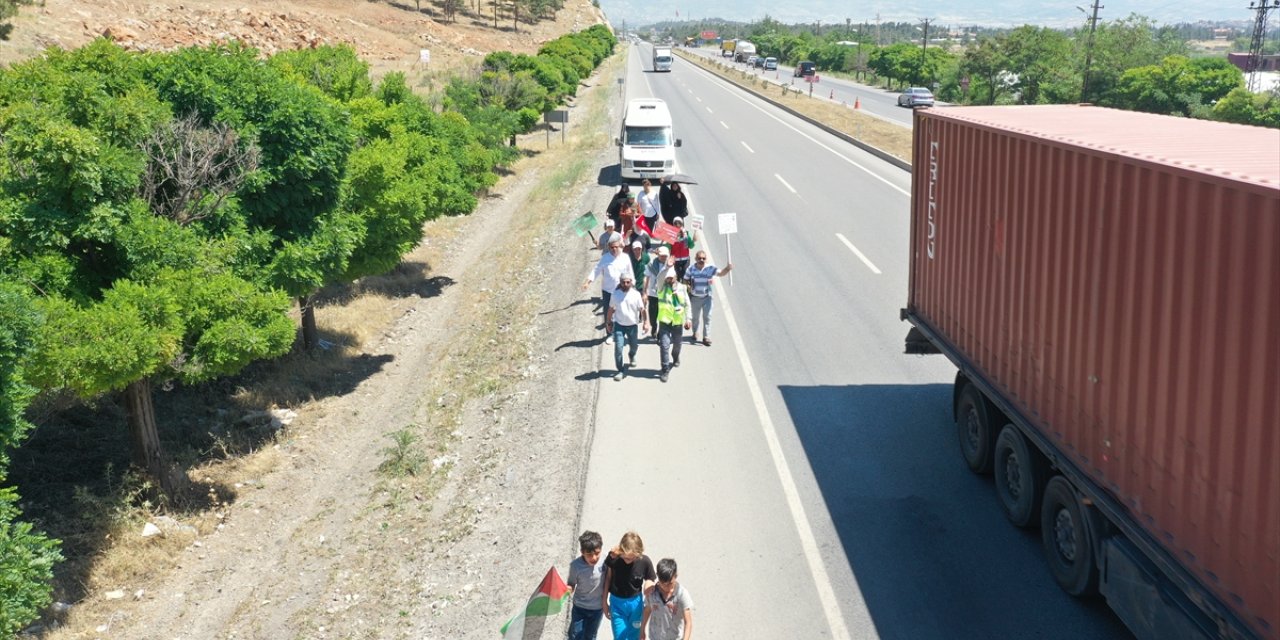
(646, 146)
(662, 59)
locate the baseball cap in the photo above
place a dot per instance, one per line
(608, 223)
(637, 245)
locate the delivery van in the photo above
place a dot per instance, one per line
(646, 148)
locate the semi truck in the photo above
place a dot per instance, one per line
(1107, 284)
(727, 47)
(743, 51)
(661, 58)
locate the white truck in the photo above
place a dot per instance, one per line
(743, 51)
(662, 58)
(646, 148)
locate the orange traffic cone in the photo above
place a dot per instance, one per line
(857, 104)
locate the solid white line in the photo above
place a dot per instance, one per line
(735, 93)
(784, 183)
(748, 149)
(855, 251)
(723, 124)
(813, 555)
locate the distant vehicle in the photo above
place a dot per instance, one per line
(727, 47)
(662, 59)
(916, 97)
(804, 69)
(758, 62)
(771, 64)
(744, 50)
(646, 148)
(751, 60)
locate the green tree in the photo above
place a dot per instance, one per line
(1242, 107)
(1039, 60)
(984, 63)
(1176, 86)
(1120, 45)
(26, 557)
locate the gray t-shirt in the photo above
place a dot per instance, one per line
(587, 582)
(666, 618)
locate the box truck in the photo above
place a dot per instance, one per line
(646, 147)
(727, 47)
(1107, 284)
(662, 58)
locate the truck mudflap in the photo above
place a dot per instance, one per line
(1146, 604)
(917, 344)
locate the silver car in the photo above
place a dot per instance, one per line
(916, 97)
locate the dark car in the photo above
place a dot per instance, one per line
(805, 69)
(759, 61)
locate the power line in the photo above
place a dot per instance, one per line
(1262, 7)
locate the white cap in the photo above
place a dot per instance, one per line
(608, 223)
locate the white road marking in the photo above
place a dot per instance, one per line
(784, 183)
(696, 97)
(709, 110)
(813, 555)
(855, 251)
(748, 148)
(723, 124)
(735, 93)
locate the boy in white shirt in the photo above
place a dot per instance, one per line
(668, 608)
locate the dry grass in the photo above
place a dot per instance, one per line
(892, 138)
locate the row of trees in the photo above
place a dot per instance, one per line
(1135, 64)
(159, 211)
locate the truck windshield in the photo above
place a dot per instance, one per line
(648, 136)
(663, 58)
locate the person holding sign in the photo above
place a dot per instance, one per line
(680, 248)
(699, 277)
(673, 319)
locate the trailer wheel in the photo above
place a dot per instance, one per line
(1019, 472)
(1065, 534)
(975, 430)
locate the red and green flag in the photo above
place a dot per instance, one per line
(547, 600)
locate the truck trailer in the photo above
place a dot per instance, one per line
(1107, 284)
(743, 51)
(727, 47)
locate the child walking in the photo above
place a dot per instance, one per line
(668, 609)
(586, 579)
(628, 574)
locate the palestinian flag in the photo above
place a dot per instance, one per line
(547, 600)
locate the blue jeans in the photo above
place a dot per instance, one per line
(625, 615)
(584, 623)
(624, 334)
(670, 337)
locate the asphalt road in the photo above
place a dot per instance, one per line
(803, 471)
(872, 100)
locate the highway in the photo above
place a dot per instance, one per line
(803, 471)
(875, 101)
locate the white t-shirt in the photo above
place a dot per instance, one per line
(628, 308)
(666, 618)
(649, 204)
(610, 270)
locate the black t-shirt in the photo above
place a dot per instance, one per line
(627, 579)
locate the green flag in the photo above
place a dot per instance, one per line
(584, 223)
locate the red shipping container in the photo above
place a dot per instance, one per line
(1115, 276)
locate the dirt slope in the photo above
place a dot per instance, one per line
(389, 35)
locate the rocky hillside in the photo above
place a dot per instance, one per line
(389, 34)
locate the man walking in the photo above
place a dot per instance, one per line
(653, 280)
(673, 319)
(610, 269)
(699, 278)
(625, 313)
(650, 204)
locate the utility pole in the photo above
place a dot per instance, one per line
(1262, 7)
(923, 48)
(1088, 49)
(878, 41)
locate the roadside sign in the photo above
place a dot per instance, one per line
(694, 221)
(424, 56)
(559, 115)
(728, 223)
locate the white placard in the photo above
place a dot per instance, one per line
(695, 221)
(728, 223)
(424, 56)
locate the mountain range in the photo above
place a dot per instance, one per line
(1062, 13)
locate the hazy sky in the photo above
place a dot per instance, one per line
(1057, 13)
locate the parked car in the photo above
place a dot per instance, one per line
(751, 60)
(916, 97)
(804, 69)
(771, 64)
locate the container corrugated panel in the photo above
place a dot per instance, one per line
(1116, 276)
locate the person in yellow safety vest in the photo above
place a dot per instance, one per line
(673, 320)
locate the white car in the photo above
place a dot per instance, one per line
(916, 97)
